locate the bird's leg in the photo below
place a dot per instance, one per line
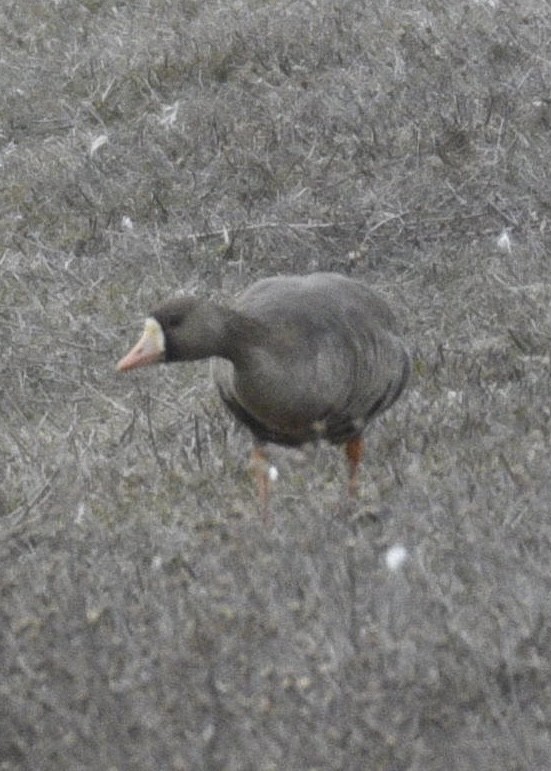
(260, 467)
(354, 453)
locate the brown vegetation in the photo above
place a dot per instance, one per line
(147, 618)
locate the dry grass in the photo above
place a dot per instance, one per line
(148, 620)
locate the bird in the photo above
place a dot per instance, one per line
(297, 359)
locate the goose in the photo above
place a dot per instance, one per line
(298, 359)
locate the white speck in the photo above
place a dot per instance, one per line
(504, 242)
(454, 397)
(170, 113)
(395, 557)
(127, 223)
(319, 426)
(157, 562)
(80, 513)
(98, 142)
(273, 474)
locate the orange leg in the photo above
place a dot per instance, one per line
(354, 454)
(260, 468)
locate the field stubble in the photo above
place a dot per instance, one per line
(148, 619)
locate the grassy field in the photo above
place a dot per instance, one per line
(148, 619)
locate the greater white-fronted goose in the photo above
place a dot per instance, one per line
(299, 358)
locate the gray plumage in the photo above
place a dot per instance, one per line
(301, 357)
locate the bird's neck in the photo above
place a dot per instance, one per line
(240, 335)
